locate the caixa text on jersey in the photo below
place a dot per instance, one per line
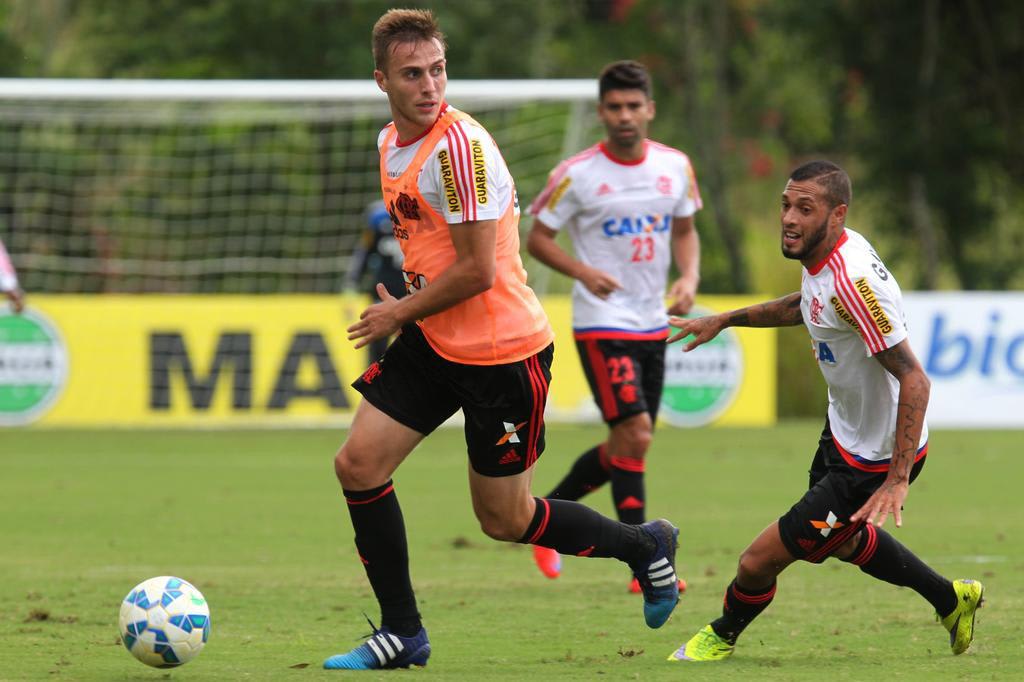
(628, 225)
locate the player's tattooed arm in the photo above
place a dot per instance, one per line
(911, 407)
(782, 312)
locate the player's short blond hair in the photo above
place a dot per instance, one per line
(403, 26)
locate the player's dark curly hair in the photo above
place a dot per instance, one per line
(624, 75)
(831, 177)
(403, 26)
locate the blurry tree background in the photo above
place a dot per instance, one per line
(923, 102)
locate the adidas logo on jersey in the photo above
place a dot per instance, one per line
(605, 188)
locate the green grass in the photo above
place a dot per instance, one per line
(257, 522)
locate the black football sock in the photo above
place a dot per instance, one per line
(589, 472)
(575, 529)
(881, 556)
(380, 539)
(740, 608)
(627, 476)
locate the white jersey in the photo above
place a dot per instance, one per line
(449, 172)
(619, 216)
(853, 309)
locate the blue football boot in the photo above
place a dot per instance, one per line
(657, 575)
(383, 650)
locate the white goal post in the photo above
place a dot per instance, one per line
(227, 186)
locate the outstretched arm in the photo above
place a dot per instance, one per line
(782, 312)
(912, 404)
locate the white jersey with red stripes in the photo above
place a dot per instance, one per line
(465, 151)
(619, 217)
(853, 308)
(8, 277)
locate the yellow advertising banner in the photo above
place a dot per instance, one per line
(284, 360)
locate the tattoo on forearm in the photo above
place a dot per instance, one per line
(910, 420)
(782, 312)
(897, 360)
(740, 318)
(911, 408)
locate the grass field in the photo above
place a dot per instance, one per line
(257, 522)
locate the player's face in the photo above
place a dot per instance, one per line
(625, 115)
(809, 226)
(414, 80)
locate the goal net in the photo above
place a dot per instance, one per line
(227, 186)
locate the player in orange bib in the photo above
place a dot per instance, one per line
(473, 338)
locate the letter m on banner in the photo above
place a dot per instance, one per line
(168, 353)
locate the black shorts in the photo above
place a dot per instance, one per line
(625, 376)
(819, 523)
(503, 404)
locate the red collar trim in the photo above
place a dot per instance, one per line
(817, 268)
(623, 162)
(405, 143)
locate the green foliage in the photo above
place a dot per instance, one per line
(256, 521)
(920, 100)
(918, 94)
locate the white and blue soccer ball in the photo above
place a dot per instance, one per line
(165, 622)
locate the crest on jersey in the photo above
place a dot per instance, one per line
(664, 184)
(407, 206)
(816, 308)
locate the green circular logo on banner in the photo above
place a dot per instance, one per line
(33, 367)
(702, 384)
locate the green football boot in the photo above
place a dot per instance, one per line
(706, 645)
(960, 623)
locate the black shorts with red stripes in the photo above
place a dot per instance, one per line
(819, 523)
(626, 376)
(503, 405)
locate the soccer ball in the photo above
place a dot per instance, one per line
(164, 622)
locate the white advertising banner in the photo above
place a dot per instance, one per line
(972, 346)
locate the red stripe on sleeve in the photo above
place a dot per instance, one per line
(462, 167)
(863, 306)
(452, 146)
(849, 298)
(556, 178)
